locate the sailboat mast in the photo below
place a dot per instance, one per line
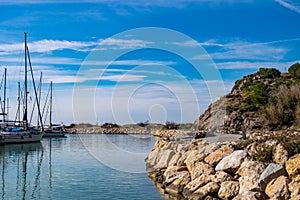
(4, 106)
(50, 104)
(19, 102)
(40, 93)
(25, 83)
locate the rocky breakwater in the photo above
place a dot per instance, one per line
(266, 166)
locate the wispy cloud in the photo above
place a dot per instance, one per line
(122, 43)
(255, 65)
(290, 4)
(46, 45)
(130, 62)
(134, 3)
(245, 50)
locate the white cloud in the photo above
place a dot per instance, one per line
(244, 50)
(43, 46)
(123, 78)
(282, 66)
(122, 44)
(290, 4)
(130, 62)
(134, 3)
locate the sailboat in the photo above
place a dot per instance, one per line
(22, 132)
(53, 130)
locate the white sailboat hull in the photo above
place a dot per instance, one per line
(19, 137)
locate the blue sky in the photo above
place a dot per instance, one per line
(149, 80)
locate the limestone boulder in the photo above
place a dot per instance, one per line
(231, 162)
(249, 195)
(200, 168)
(229, 189)
(272, 171)
(197, 183)
(280, 154)
(176, 182)
(173, 169)
(278, 188)
(294, 188)
(221, 176)
(214, 157)
(193, 157)
(249, 173)
(293, 165)
(175, 158)
(151, 160)
(208, 189)
(164, 160)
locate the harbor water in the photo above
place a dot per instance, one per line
(69, 168)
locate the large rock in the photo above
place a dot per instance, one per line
(228, 189)
(176, 182)
(221, 176)
(271, 172)
(280, 155)
(197, 183)
(151, 160)
(278, 188)
(175, 158)
(208, 189)
(249, 195)
(231, 162)
(294, 188)
(193, 157)
(164, 160)
(201, 168)
(215, 157)
(250, 172)
(293, 165)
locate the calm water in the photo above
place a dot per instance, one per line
(76, 168)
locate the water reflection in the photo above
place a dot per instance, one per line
(22, 168)
(25, 159)
(62, 168)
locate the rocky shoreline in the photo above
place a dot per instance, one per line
(262, 167)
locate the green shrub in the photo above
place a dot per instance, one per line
(268, 73)
(283, 106)
(294, 70)
(257, 96)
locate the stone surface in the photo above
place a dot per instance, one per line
(151, 159)
(175, 158)
(215, 156)
(177, 181)
(293, 165)
(249, 195)
(197, 183)
(173, 169)
(221, 176)
(280, 155)
(228, 189)
(278, 188)
(271, 172)
(164, 159)
(231, 162)
(209, 188)
(193, 157)
(201, 168)
(294, 188)
(250, 172)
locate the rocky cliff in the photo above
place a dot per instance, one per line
(263, 166)
(260, 100)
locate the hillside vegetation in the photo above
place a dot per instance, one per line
(266, 99)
